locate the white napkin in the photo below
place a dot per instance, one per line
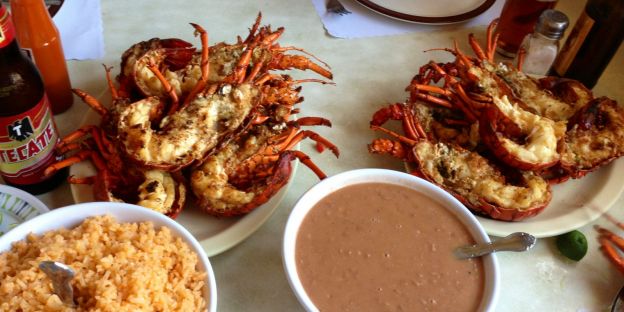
(366, 23)
(80, 24)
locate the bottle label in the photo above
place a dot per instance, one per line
(7, 32)
(27, 144)
(573, 44)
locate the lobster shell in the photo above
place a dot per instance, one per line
(595, 137)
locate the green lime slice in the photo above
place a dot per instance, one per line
(572, 245)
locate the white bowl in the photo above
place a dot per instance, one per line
(71, 216)
(331, 184)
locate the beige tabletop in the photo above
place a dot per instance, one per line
(369, 73)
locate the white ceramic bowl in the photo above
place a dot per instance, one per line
(71, 216)
(331, 184)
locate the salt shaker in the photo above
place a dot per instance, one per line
(541, 46)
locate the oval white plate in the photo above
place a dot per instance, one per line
(427, 11)
(215, 235)
(17, 206)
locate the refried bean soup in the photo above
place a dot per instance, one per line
(386, 247)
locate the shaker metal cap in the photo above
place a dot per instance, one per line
(552, 24)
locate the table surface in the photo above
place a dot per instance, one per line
(368, 74)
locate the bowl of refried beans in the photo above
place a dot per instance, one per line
(383, 240)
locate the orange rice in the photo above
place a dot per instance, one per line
(119, 267)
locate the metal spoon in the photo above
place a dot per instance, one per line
(61, 276)
(518, 241)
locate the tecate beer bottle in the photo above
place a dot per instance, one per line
(28, 134)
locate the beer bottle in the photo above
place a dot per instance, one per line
(28, 134)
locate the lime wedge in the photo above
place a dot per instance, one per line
(572, 245)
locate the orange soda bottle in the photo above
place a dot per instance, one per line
(37, 34)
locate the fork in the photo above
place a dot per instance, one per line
(334, 6)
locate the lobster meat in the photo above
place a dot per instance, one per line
(188, 134)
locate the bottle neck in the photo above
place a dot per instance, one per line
(34, 25)
(35, 5)
(34, 10)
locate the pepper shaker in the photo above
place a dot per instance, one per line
(541, 46)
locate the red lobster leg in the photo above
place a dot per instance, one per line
(315, 137)
(476, 47)
(76, 158)
(166, 86)
(205, 65)
(608, 243)
(310, 121)
(92, 102)
(283, 61)
(397, 111)
(288, 141)
(491, 40)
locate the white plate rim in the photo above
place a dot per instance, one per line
(227, 238)
(389, 11)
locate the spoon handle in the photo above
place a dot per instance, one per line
(518, 241)
(61, 276)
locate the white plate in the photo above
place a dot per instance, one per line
(17, 206)
(428, 11)
(575, 203)
(215, 235)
